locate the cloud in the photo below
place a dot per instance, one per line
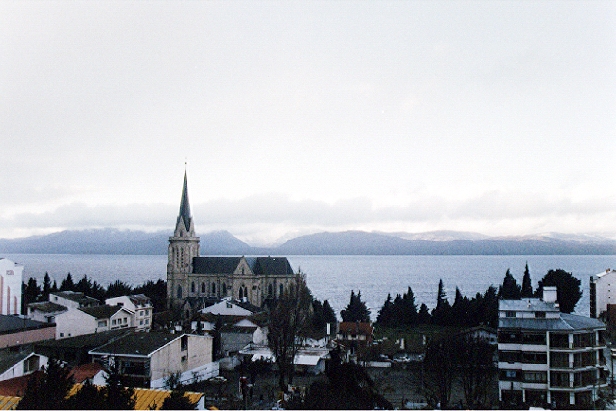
(267, 217)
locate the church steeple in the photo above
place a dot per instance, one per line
(184, 216)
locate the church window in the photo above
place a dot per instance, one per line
(202, 288)
(241, 293)
(224, 289)
(192, 287)
(270, 290)
(281, 290)
(179, 294)
(213, 288)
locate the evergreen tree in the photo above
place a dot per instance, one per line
(423, 317)
(30, 293)
(47, 390)
(409, 308)
(441, 314)
(510, 290)
(385, 316)
(567, 288)
(527, 288)
(89, 397)
(460, 310)
(67, 284)
(356, 310)
(118, 289)
(46, 287)
(118, 397)
(156, 291)
(54, 287)
(328, 313)
(177, 400)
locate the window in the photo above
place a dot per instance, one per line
(61, 334)
(192, 287)
(113, 322)
(270, 290)
(213, 288)
(510, 314)
(102, 323)
(539, 314)
(202, 288)
(224, 289)
(125, 320)
(179, 294)
(147, 322)
(140, 322)
(509, 356)
(184, 342)
(539, 377)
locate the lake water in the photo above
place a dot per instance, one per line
(333, 277)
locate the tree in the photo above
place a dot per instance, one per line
(510, 290)
(48, 390)
(30, 293)
(568, 291)
(386, 316)
(439, 370)
(356, 310)
(89, 397)
(118, 397)
(441, 314)
(178, 400)
(423, 316)
(286, 322)
(527, 287)
(329, 314)
(67, 284)
(475, 361)
(118, 289)
(46, 287)
(156, 291)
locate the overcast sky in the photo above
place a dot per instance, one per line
(294, 117)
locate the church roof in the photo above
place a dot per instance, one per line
(215, 265)
(185, 206)
(228, 265)
(270, 266)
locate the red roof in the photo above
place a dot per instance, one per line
(85, 372)
(16, 387)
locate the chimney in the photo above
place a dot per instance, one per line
(549, 294)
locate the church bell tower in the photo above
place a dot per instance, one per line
(183, 247)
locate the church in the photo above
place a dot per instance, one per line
(194, 281)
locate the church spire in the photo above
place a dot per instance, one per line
(185, 206)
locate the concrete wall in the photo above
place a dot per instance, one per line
(28, 336)
(75, 322)
(172, 359)
(10, 287)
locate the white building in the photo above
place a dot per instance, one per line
(90, 320)
(10, 287)
(17, 364)
(602, 292)
(548, 358)
(139, 305)
(73, 299)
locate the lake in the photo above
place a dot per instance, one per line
(333, 277)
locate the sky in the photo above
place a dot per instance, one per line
(294, 117)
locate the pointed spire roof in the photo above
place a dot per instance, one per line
(185, 206)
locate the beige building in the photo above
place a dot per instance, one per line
(148, 359)
(191, 279)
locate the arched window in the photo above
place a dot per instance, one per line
(213, 288)
(241, 293)
(179, 294)
(224, 289)
(270, 290)
(281, 290)
(202, 288)
(192, 287)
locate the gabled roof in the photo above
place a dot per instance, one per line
(85, 372)
(215, 265)
(102, 311)
(15, 387)
(9, 358)
(270, 266)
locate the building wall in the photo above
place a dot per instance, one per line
(10, 287)
(75, 322)
(28, 336)
(26, 366)
(172, 358)
(605, 289)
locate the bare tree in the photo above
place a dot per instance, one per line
(288, 319)
(475, 358)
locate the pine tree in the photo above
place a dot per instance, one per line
(441, 315)
(409, 308)
(328, 313)
(527, 288)
(510, 290)
(48, 390)
(423, 316)
(356, 310)
(385, 317)
(67, 284)
(46, 287)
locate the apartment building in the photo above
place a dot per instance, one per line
(548, 358)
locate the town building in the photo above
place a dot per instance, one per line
(90, 320)
(354, 335)
(45, 311)
(192, 278)
(10, 287)
(548, 358)
(602, 292)
(148, 359)
(15, 330)
(73, 299)
(139, 305)
(19, 363)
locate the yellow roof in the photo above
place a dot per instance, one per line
(145, 398)
(8, 403)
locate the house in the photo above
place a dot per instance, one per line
(602, 292)
(10, 287)
(354, 335)
(307, 359)
(75, 350)
(547, 357)
(148, 359)
(73, 299)
(16, 330)
(45, 311)
(89, 320)
(139, 305)
(17, 364)
(481, 332)
(191, 276)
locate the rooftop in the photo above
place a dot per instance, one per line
(137, 344)
(47, 307)
(12, 324)
(566, 322)
(75, 296)
(101, 311)
(526, 304)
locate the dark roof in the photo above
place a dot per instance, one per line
(271, 266)
(84, 372)
(566, 322)
(75, 296)
(16, 387)
(355, 328)
(185, 206)
(102, 311)
(10, 358)
(13, 324)
(85, 341)
(47, 307)
(137, 344)
(215, 265)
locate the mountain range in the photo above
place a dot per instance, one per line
(113, 241)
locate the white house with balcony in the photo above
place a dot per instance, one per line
(141, 307)
(548, 358)
(90, 320)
